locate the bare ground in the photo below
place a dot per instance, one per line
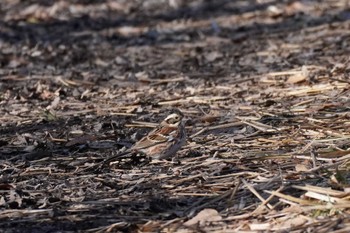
(265, 85)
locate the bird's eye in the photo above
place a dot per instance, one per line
(174, 120)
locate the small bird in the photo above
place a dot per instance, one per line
(164, 141)
(161, 143)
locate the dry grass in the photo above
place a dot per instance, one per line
(266, 91)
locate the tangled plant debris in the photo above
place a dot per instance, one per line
(264, 85)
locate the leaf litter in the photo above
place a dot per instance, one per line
(264, 86)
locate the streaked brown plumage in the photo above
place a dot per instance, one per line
(164, 141)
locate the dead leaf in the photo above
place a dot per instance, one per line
(54, 103)
(297, 78)
(290, 223)
(151, 226)
(301, 168)
(206, 215)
